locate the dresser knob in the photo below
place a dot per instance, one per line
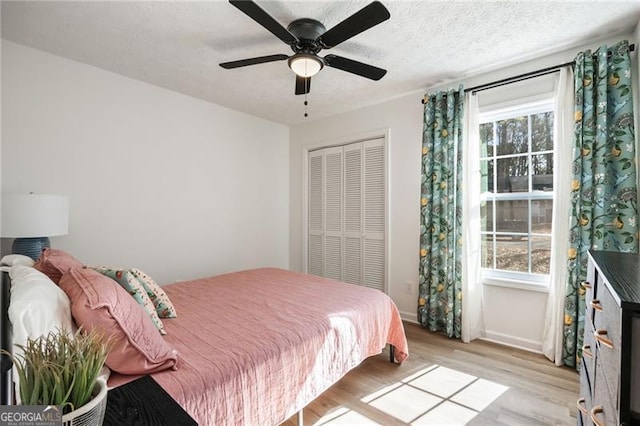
(595, 304)
(586, 351)
(585, 284)
(581, 406)
(594, 415)
(600, 337)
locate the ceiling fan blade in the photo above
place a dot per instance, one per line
(355, 67)
(255, 12)
(365, 18)
(253, 61)
(303, 85)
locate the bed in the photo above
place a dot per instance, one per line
(256, 346)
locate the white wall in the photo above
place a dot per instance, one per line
(512, 316)
(176, 186)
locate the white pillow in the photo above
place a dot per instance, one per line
(37, 305)
(17, 259)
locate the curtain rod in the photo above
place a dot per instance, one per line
(525, 76)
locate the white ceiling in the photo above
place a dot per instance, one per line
(178, 45)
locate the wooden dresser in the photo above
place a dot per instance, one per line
(610, 371)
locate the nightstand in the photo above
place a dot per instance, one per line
(144, 402)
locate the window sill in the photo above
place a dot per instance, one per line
(516, 284)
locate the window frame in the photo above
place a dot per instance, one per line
(492, 114)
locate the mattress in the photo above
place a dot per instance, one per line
(256, 346)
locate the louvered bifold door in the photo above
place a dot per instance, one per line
(315, 260)
(373, 244)
(333, 213)
(353, 213)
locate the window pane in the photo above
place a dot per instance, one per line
(516, 157)
(486, 140)
(542, 171)
(541, 213)
(540, 254)
(512, 136)
(486, 216)
(512, 174)
(512, 254)
(486, 257)
(542, 131)
(486, 176)
(512, 216)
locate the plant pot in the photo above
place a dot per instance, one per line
(91, 413)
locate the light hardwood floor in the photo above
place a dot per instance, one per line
(445, 381)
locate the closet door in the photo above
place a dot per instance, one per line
(315, 259)
(333, 213)
(346, 239)
(353, 213)
(373, 245)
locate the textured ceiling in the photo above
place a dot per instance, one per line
(178, 45)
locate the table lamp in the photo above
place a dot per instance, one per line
(31, 219)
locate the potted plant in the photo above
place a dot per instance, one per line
(62, 368)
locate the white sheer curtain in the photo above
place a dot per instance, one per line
(472, 323)
(563, 137)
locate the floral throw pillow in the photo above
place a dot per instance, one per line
(134, 287)
(160, 300)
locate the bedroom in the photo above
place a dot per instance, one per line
(161, 172)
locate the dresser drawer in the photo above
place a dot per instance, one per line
(584, 402)
(590, 286)
(607, 314)
(589, 352)
(608, 336)
(604, 408)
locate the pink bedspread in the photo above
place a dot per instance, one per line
(257, 346)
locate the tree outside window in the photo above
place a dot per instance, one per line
(517, 190)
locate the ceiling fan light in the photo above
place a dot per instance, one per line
(305, 65)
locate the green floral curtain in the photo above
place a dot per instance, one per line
(603, 212)
(440, 290)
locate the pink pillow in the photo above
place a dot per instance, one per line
(99, 302)
(53, 263)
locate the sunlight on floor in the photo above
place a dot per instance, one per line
(433, 396)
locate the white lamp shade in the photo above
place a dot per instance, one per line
(34, 215)
(305, 65)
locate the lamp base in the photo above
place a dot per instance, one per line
(31, 247)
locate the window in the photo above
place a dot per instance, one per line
(516, 158)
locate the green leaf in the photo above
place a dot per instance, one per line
(60, 369)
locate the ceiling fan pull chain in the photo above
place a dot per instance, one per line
(305, 104)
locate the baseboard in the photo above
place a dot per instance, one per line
(513, 341)
(492, 336)
(409, 317)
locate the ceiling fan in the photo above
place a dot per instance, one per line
(307, 37)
